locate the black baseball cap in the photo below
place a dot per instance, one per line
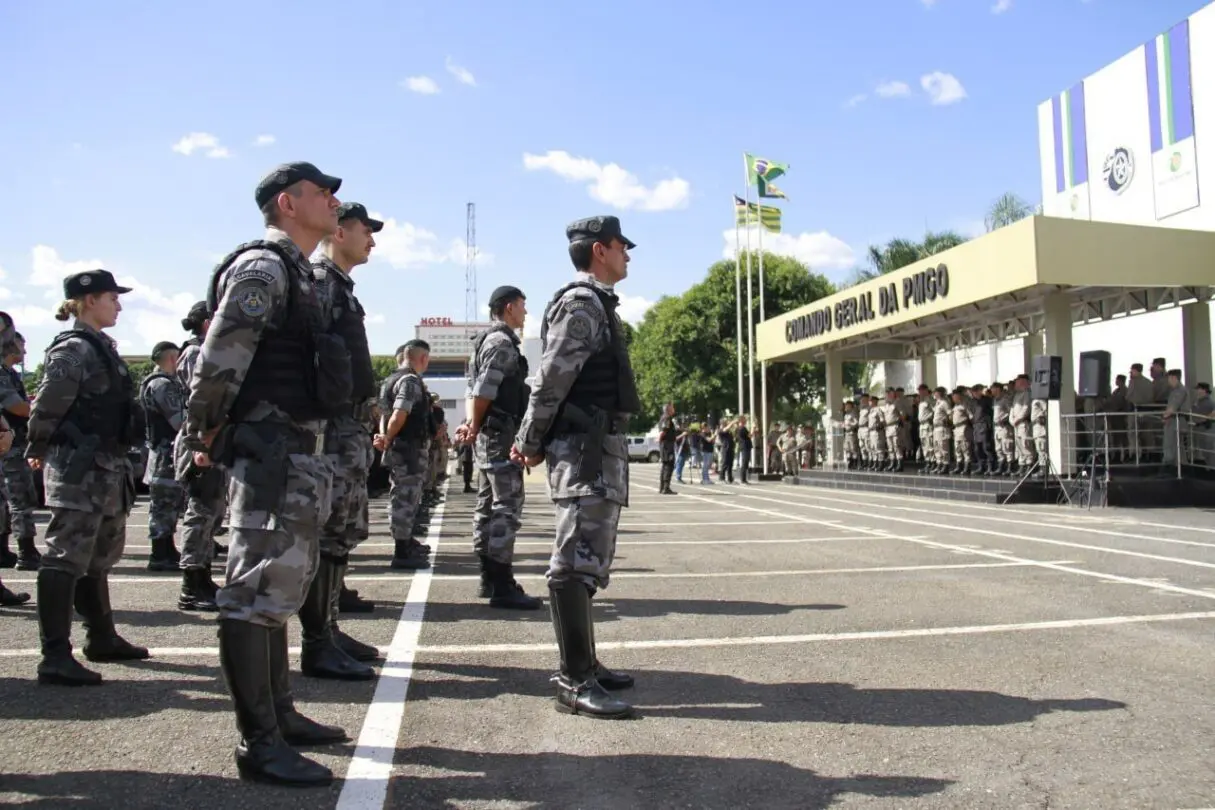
(91, 282)
(353, 210)
(505, 294)
(162, 347)
(597, 229)
(288, 174)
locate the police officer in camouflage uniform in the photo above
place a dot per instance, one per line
(8, 339)
(83, 422)
(347, 441)
(942, 430)
(576, 421)
(163, 398)
(1003, 432)
(498, 399)
(924, 409)
(18, 477)
(668, 432)
(266, 379)
(404, 437)
(206, 488)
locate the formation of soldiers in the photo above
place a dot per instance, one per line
(271, 412)
(994, 430)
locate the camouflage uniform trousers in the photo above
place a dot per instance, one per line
(852, 446)
(926, 451)
(407, 471)
(877, 445)
(963, 443)
(500, 496)
(894, 442)
(167, 497)
(1040, 449)
(22, 495)
(1026, 454)
(791, 462)
(586, 541)
(206, 503)
(276, 509)
(434, 465)
(940, 445)
(348, 445)
(1005, 450)
(88, 528)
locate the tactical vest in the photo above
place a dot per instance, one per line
(606, 380)
(513, 392)
(18, 423)
(107, 414)
(158, 428)
(419, 423)
(283, 371)
(349, 323)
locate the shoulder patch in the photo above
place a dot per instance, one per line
(252, 302)
(253, 273)
(64, 356)
(578, 326)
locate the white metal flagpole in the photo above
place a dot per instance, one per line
(750, 312)
(738, 302)
(763, 367)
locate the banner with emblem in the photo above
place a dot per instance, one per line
(1170, 101)
(1063, 146)
(1119, 142)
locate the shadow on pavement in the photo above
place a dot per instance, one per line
(135, 790)
(609, 610)
(697, 696)
(560, 781)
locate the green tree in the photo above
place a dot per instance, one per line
(684, 351)
(1006, 210)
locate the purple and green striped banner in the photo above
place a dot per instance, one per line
(1071, 141)
(1170, 96)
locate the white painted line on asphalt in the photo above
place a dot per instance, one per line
(808, 638)
(972, 529)
(1057, 566)
(1044, 520)
(365, 786)
(793, 541)
(171, 579)
(653, 523)
(743, 641)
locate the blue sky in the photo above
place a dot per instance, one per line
(642, 110)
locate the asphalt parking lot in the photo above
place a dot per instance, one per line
(793, 648)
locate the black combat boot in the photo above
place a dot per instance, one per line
(352, 647)
(220, 549)
(102, 642)
(28, 556)
(578, 692)
(161, 557)
(486, 588)
(612, 681)
(349, 601)
(505, 592)
(262, 754)
(197, 591)
(404, 556)
(12, 598)
(296, 728)
(320, 656)
(58, 666)
(7, 558)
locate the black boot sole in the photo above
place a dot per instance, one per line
(250, 773)
(573, 711)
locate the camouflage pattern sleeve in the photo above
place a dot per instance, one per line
(253, 293)
(497, 360)
(575, 328)
(185, 366)
(10, 397)
(406, 393)
(63, 372)
(166, 397)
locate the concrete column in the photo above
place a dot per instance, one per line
(953, 370)
(834, 451)
(928, 371)
(1031, 345)
(1196, 343)
(993, 361)
(1057, 340)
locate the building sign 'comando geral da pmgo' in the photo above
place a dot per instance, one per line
(918, 288)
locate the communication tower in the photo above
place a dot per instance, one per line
(471, 308)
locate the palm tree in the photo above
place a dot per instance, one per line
(898, 253)
(1006, 210)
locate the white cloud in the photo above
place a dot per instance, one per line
(201, 142)
(49, 270)
(264, 140)
(632, 308)
(5, 293)
(463, 75)
(942, 88)
(821, 251)
(893, 89)
(421, 84)
(611, 184)
(855, 100)
(1001, 6)
(2, 273)
(405, 246)
(376, 318)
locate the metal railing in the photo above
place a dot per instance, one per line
(1141, 439)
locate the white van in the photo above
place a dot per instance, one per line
(644, 448)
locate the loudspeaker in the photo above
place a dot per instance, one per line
(1047, 379)
(1094, 374)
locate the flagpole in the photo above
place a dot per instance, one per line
(763, 367)
(738, 303)
(750, 309)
